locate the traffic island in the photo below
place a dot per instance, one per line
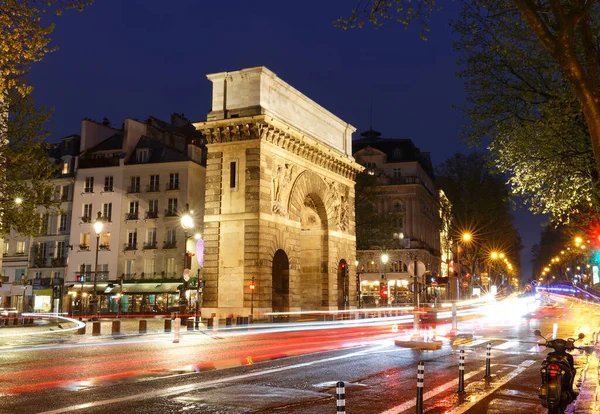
(416, 344)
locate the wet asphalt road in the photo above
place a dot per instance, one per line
(289, 372)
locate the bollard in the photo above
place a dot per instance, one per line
(96, 328)
(340, 398)
(461, 371)
(143, 326)
(420, 377)
(190, 324)
(209, 323)
(167, 325)
(176, 327)
(488, 356)
(116, 328)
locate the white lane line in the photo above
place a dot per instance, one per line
(410, 404)
(465, 407)
(506, 345)
(182, 389)
(535, 349)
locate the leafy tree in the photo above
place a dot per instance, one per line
(481, 207)
(522, 59)
(373, 230)
(25, 167)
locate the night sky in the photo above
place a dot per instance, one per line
(137, 58)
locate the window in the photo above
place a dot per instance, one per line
(172, 207)
(397, 172)
(6, 247)
(232, 174)
(60, 249)
(151, 236)
(132, 239)
(62, 226)
(171, 236)
(87, 213)
(108, 183)
(142, 155)
(19, 273)
(170, 265)
(398, 206)
(65, 168)
(64, 193)
(135, 185)
(153, 206)
(44, 225)
(56, 274)
(154, 183)
(20, 247)
(148, 267)
(84, 241)
(104, 241)
(107, 211)
(38, 275)
(42, 250)
(174, 181)
(129, 267)
(89, 185)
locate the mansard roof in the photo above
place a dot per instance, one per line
(159, 152)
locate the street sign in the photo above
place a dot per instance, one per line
(465, 284)
(186, 274)
(434, 284)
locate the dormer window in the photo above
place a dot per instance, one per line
(142, 155)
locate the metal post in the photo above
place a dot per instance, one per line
(340, 398)
(198, 300)
(488, 356)
(420, 377)
(252, 299)
(182, 299)
(461, 371)
(454, 323)
(94, 298)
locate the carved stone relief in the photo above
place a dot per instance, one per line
(280, 188)
(339, 195)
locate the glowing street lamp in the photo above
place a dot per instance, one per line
(187, 223)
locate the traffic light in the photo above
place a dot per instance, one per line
(80, 278)
(188, 260)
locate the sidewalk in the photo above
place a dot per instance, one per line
(589, 396)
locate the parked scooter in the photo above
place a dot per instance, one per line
(558, 372)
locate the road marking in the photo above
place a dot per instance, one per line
(465, 407)
(534, 349)
(477, 342)
(410, 404)
(182, 389)
(506, 345)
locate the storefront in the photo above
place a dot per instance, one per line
(145, 298)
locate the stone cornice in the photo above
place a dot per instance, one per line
(269, 129)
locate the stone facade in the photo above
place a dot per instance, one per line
(279, 199)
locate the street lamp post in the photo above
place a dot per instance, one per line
(98, 225)
(187, 222)
(252, 287)
(358, 292)
(198, 294)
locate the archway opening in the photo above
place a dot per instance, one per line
(343, 285)
(313, 286)
(280, 282)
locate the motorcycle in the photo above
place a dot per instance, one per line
(558, 372)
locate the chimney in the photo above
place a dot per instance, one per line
(106, 122)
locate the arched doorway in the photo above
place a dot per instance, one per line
(280, 282)
(313, 286)
(343, 285)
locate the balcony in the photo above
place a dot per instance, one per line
(133, 189)
(170, 213)
(108, 189)
(170, 245)
(65, 197)
(130, 246)
(84, 247)
(150, 245)
(89, 162)
(172, 187)
(86, 219)
(153, 188)
(104, 247)
(132, 216)
(151, 215)
(59, 262)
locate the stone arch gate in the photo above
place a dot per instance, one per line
(279, 201)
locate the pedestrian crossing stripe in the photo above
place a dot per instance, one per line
(506, 345)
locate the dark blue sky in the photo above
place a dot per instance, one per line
(137, 58)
